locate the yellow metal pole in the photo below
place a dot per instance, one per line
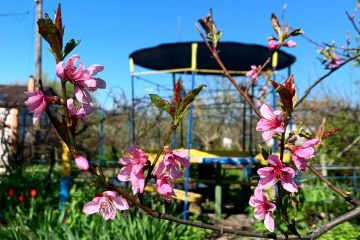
(65, 176)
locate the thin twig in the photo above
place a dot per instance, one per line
(347, 196)
(307, 92)
(228, 75)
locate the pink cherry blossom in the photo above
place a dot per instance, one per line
(277, 172)
(253, 73)
(133, 169)
(75, 113)
(261, 94)
(171, 163)
(36, 103)
(302, 152)
(290, 44)
(272, 45)
(265, 87)
(164, 187)
(334, 62)
(271, 124)
(82, 80)
(106, 205)
(82, 162)
(263, 208)
(259, 103)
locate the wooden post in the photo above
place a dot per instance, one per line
(38, 43)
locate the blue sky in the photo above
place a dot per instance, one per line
(111, 30)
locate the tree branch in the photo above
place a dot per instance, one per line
(347, 196)
(307, 92)
(316, 233)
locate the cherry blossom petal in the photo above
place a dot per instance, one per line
(254, 202)
(100, 83)
(39, 112)
(305, 152)
(120, 203)
(125, 160)
(265, 171)
(310, 143)
(92, 207)
(160, 168)
(267, 135)
(60, 70)
(289, 184)
(300, 163)
(264, 125)
(110, 194)
(124, 174)
(34, 102)
(267, 111)
(259, 214)
(269, 222)
(259, 194)
(273, 159)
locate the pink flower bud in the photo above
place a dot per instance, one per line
(261, 94)
(272, 45)
(82, 162)
(265, 87)
(259, 103)
(290, 44)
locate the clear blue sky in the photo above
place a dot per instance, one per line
(110, 30)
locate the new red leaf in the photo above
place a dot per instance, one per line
(177, 94)
(327, 133)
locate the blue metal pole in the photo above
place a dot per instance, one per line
(355, 183)
(101, 136)
(133, 110)
(189, 147)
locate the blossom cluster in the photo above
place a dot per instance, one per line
(83, 82)
(167, 170)
(277, 172)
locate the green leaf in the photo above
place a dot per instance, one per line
(272, 38)
(295, 32)
(185, 104)
(70, 45)
(305, 134)
(52, 35)
(162, 104)
(265, 153)
(177, 94)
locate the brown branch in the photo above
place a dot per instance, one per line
(259, 71)
(351, 18)
(316, 233)
(347, 196)
(228, 75)
(307, 92)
